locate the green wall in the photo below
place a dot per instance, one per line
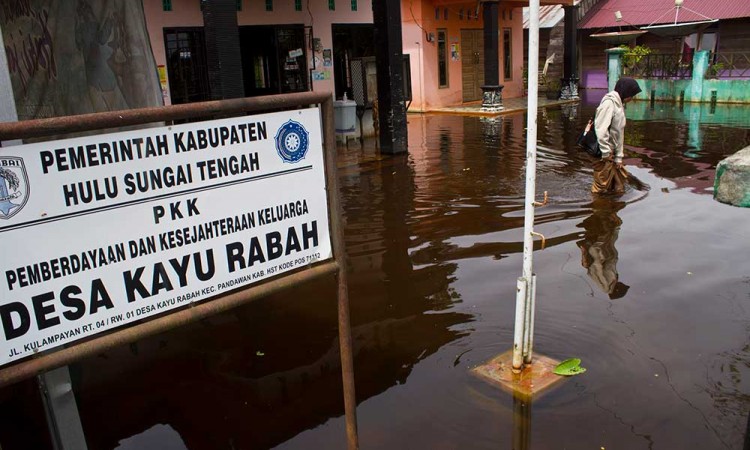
(696, 89)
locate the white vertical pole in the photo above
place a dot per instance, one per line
(528, 348)
(519, 332)
(528, 223)
(528, 228)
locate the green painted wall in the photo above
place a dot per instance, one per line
(697, 89)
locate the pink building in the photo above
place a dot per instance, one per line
(300, 45)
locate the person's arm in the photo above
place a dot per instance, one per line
(602, 121)
(620, 150)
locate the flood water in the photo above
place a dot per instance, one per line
(651, 290)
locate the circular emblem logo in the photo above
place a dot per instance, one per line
(292, 141)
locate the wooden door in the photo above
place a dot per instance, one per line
(472, 64)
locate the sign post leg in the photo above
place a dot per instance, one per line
(339, 252)
(62, 412)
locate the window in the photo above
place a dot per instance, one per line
(166, 5)
(507, 55)
(239, 5)
(442, 48)
(332, 5)
(354, 5)
(510, 14)
(503, 14)
(269, 5)
(298, 5)
(461, 14)
(437, 13)
(445, 13)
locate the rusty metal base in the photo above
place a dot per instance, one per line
(533, 379)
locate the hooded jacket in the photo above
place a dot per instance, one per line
(609, 123)
(610, 118)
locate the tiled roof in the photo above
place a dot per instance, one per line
(647, 12)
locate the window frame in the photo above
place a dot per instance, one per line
(507, 53)
(442, 65)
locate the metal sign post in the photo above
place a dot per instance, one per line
(187, 296)
(523, 337)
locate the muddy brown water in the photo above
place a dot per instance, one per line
(651, 290)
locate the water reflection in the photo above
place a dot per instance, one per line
(521, 422)
(598, 252)
(432, 238)
(685, 143)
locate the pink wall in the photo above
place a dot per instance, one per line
(419, 19)
(185, 13)
(315, 13)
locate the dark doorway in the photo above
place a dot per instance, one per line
(350, 41)
(186, 65)
(273, 59)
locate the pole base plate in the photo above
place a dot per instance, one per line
(533, 379)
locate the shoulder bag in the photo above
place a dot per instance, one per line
(588, 142)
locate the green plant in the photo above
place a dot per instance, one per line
(634, 55)
(569, 367)
(554, 85)
(714, 70)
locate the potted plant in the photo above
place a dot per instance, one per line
(553, 89)
(714, 70)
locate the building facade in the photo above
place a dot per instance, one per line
(300, 45)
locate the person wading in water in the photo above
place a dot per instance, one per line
(609, 122)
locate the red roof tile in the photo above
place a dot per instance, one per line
(646, 12)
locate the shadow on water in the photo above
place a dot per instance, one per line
(649, 289)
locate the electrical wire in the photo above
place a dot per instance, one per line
(411, 10)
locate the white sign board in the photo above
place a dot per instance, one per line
(104, 230)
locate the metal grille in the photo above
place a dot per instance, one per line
(658, 66)
(186, 63)
(223, 56)
(730, 65)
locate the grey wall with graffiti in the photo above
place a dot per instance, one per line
(79, 56)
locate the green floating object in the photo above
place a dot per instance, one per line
(569, 367)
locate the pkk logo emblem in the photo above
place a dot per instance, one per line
(292, 142)
(14, 186)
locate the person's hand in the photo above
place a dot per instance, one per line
(618, 165)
